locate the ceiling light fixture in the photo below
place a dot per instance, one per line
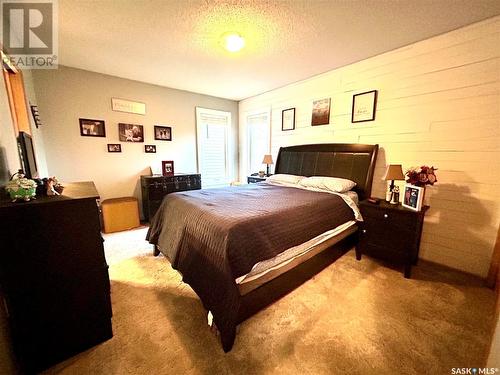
(233, 42)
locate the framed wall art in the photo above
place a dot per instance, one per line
(130, 133)
(163, 133)
(364, 106)
(128, 106)
(288, 119)
(321, 112)
(92, 128)
(150, 149)
(114, 147)
(36, 115)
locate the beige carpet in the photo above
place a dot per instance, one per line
(352, 318)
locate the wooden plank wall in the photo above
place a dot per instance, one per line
(438, 104)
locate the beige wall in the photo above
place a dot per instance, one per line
(67, 94)
(439, 104)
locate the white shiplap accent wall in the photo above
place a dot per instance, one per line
(438, 104)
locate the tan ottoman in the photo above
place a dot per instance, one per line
(120, 214)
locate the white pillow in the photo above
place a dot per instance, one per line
(285, 179)
(335, 184)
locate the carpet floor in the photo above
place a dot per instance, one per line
(352, 318)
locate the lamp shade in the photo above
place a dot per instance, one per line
(268, 159)
(394, 172)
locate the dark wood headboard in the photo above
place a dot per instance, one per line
(355, 162)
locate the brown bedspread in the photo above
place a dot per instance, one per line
(213, 236)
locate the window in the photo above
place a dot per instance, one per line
(213, 129)
(258, 139)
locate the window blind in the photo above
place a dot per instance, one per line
(213, 130)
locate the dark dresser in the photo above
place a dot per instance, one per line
(53, 276)
(390, 232)
(155, 187)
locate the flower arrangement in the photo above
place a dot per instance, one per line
(21, 188)
(421, 176)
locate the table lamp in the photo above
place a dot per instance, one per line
(268, 159)
(394, 172)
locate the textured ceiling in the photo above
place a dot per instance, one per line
(177, 43)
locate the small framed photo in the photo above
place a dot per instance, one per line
(163, 133)
(288, 119)
(413, 197)
(321, 112)
(364, 106)
(92, 128)
(36, 115)
(150, 149)
(114, 147)
(167, 168)
(130, 133)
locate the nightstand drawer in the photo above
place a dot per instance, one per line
(383, 252)
(396, 238)
(255, 179)
(390, 218)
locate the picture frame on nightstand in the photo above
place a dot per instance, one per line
(413, 197)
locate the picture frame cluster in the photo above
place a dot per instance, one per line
(363, 109)
(127, 133)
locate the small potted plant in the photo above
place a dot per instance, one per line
(21, 188)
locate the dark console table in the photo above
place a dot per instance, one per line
(53, 276)
(155, 187)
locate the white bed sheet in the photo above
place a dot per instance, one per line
(285, 257)
(350, 197)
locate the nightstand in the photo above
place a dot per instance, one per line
(255, 179)
(390, 232)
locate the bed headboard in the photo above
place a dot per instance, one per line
(355, 162)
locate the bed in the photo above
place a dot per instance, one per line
(228, 243)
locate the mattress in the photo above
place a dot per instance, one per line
(269, 269)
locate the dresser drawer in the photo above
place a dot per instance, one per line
(155, 188)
